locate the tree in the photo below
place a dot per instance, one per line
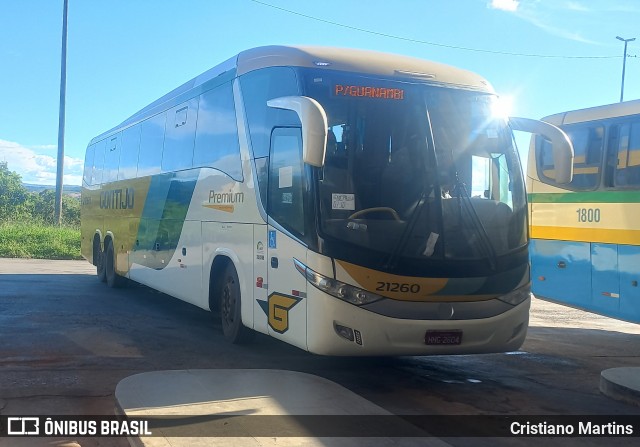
(19, 205)
(15, 201)
(44, 208)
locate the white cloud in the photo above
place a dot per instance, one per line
(39, 168)
(545, 15)
(505, 5)
(46, 146)
(577, 6)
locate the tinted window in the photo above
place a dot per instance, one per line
(88, 165)
(151, 142)
(286, 183)
(587, 145)
(257, 88)
(217, 135)
(111, 159)
(179, 136)
(129, 147)
(98, 163)
(627, 172)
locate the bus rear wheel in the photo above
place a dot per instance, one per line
(98, 256)
(113, 279)
(230, 315)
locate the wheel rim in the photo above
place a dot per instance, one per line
(228, 303)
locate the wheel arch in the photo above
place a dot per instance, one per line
(108, 237)
(222, 258)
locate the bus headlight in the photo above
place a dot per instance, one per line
(517, 296)
(345, 292)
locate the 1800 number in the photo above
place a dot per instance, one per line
(397, 287)
(588, 214)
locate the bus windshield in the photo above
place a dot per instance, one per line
(417, 171)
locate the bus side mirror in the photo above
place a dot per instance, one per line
(314, 125)
(562, 147)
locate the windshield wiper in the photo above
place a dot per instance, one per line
(392, 260)
(484, 241)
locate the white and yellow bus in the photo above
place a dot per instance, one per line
(347, 202)
(585, 247)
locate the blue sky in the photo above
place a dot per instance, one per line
(123, 54)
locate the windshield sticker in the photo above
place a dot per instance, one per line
(369, 92)
(343, 202)
(431, 244)
(285, 177)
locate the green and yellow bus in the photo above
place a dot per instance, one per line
(347, 202)
(585, 247)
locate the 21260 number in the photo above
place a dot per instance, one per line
(397, 287)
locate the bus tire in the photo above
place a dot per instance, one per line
(230, 315)
(113, 279)
(98, 256)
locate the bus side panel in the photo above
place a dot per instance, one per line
(605, 281)
(561, 271)
(260, 272)
(629, 265)
(89, 221)
(181, 275)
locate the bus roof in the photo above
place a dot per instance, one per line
(595, 113)
(330, 58)
(361, 61)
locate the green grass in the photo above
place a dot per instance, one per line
(39, 241)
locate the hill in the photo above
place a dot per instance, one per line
(71, 190)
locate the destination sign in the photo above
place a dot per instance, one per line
(361, 91)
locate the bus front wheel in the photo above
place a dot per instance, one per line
(230, 316)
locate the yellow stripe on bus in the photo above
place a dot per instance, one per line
(551, 173)
(408, 288)
(628, 237)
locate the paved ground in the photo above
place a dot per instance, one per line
(66, 341)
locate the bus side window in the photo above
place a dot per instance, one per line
(98, 163)
(111, 159)
(587, 145)
(129, 148)
(627, 171)
(613, 143)
(179, 136)
(258, 87)
(151, 143)
(217, 143)
(286, 181)
(88, 165)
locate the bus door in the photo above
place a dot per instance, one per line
(286, 304)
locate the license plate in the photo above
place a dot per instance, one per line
(443, 337)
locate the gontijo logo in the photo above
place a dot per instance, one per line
(279, 307)
(117, 199)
